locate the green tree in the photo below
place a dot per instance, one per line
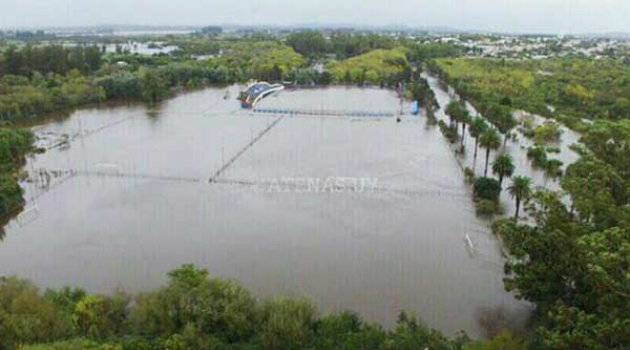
(100, 317)
(487, 188)
(502, 341)
(506, 123)
(287, 323)
(597, 191)
(217, 307)
(309, 43)
(455, 110)
(411, 334)
(490, 140)
(520, 190)
(422, 93)
(465, 119)
(548, 132)
(538, 156)
(154, 85)
(26, 318)
(276, 73)
(477, 128)
(346, 330)
(503, 166)
(576, 273)
(12, 60)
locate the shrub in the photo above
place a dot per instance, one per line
(191, 338)
(10, 194)
(25, 317)
(503, 340)
(449, 131)
(487, 188)
(469, 175)
(538, 156)
(287, 323)
(553, 168)
(100, 317)
(548, 132)
(486, 207)
(218, 307)
(553, 149)
(346, 330)
(65, 298)
(410, 334)
(121, 84)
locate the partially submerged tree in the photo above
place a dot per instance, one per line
(477, 128)
(490, 140)
(503, 166)
(520, 190)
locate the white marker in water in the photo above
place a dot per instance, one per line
(470, 244)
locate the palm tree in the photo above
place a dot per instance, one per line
(521, 190)
(490, 140)
(506, 124)
(503, 166)
(458, 113)
(453, 110)
(477, 127)
(466, 120)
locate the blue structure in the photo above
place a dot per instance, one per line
(415, 108)
(256, 91)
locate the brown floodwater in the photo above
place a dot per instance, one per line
(356, 213)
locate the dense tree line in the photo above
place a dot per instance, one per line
(56, 59)
(377, 67)
(340, 44)
(421, 92)
(573, 260)
(25, 35)
(194, 311)
(421, 52)
(211, 30)
(153, 84)
(22, 98)
(39, 79)
(569, 89)
(35, 80)
(263, 60)
(195, 45)
(309, 43)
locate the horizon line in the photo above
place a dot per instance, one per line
(406, 27)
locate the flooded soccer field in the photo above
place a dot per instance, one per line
(360, 213)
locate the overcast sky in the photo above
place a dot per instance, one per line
(558, 16)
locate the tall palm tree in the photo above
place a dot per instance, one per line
(453, 110)
(477, 127)
(490, 140)
(503, 166)
(466, 120)
(506, 124)
(520, 190)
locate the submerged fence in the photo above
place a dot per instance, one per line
(325, 112)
